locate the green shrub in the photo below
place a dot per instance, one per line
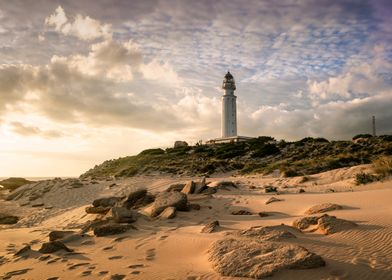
(14, 183)
(152, 152)
(265, 150)
(383, 166)
(365, 178)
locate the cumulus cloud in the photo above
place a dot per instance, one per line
(83, 27)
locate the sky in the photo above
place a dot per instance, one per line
(86, 81)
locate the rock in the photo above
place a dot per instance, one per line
(122, 215)
(10, 274)
(59, 234)
(330, 224)
(200, 186)
(111, 229)
(189, 188)
(241, 212)
(38, 204)
(321, 208)
(195, 206)
(272, 199)
(248, 258)
(53, 246)
(116, 277)
(210, 227)
(225, 185)
(209, 190)
(305, 222)
(175, 187)
(106, 201)
(97, 210)
(179, 144)
(136, 199)
(24, 251)
(268, 189)
(263, 214)
(168, 213)
(301, 191)
(6, 219)
(167, 199)
(267, 233)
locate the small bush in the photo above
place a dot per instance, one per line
(362, 136)
(265, 150)
(288, 172)
(152, 152)
(365, 178)
(383, 166)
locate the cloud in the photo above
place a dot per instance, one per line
(85, 28)
(26, 130)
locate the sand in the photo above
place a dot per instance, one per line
(175, 249)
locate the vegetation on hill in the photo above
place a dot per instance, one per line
(14, 183)
(260, 155)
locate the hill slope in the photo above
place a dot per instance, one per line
(259, 155)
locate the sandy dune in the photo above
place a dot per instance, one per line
(175, 249)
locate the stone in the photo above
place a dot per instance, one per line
(122, 215)
(175, 187)
(263, 214)
(200, 186)
(267, 233)
(272, 199)
(166, 199)
(225, 185)
(23, 251)
(248, 258)
(53, 246)
(59, 234)
(241, 212)
(210, 227)
(106, 201)
(268, 189)
(38, 204)
(134, 197)
(111, 229)
(10, 274)
(168, 213)
(209, 190)
(179, 144)
(305, 222)
(97, 210)
(301, 191)
(6, 219)
(330, 224)
(189, 188)
(322, 208)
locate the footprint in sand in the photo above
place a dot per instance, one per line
(86, 273)
(163, 237)
(77, 265)
(104, 272)
(133, 266)
(107, 248)
(150, 255)
(136, 272)
(53, 278)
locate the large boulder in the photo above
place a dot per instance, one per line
(268, 233)
(330, 224)
(200, 186)
(111, 229)
(210, 227)
(322, 208)
(59, 234)
(107, 201)
(189, 188)
(175, 187)
(6, 219)
(138, 198)
(168, 213)
(166, 199)
(248, 258)
(305, 222)
(53, 246)
(121, 215)
(97, 210)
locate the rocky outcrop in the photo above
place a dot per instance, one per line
(106, 201)
(6, 219)
(179, 144)
(248, 258)
(138, 198)
(272, 199)
(241, 212)
(53, 246)
(97, 210)
(189, 188)
(121, 215)
(210, 227)
(325, 224)
(322, 208)
(175, 187)
(267, 233)
(168, 213)
(59, 234)
(167, 199)
(111, 229)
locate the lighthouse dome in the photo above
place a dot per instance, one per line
(228, 82)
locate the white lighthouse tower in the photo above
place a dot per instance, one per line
(229, 114)
(229, 107)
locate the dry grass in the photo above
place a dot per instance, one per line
(383, 166)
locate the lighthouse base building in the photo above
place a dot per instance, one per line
(229, 114)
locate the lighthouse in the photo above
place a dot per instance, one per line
(229, 107)
(229, 114)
